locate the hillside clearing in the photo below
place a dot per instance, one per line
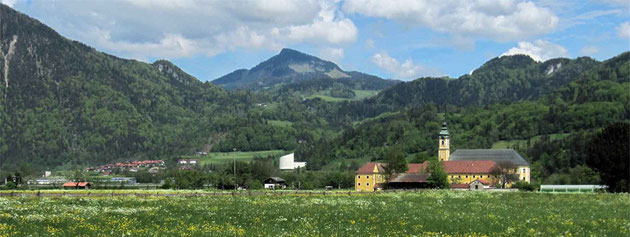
(226, 157)
(523, 142)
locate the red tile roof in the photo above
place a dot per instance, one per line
(368, 168)
(451, 167)
(75, 184)
(416, 167)
(468, 166)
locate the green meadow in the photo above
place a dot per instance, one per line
(426, 213)
(227, 157)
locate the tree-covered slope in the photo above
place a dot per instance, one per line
(589, 102)
(507, 78)
(64, 102)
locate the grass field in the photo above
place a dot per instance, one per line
(359, 94)
(429, 213)
(511, 143)
(226, 157)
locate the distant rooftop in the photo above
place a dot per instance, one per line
(497, 155)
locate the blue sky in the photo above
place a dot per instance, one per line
(403, 39)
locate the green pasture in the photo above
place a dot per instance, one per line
(512, 143)
(426, 213)
(226, 157)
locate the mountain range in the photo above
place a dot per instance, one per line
(64, 104)
(291, 66)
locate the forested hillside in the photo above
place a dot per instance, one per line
(63, 103)
(591, 101)
(502, 79)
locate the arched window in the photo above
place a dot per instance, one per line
(442, 142)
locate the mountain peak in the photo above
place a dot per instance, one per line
(290, 51)
(286, 67)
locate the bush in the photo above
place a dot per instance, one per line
(526, 187)
(253, 184)
(307, 186)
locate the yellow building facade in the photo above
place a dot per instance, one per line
(468, 178)
(462, 167)
(369, 177)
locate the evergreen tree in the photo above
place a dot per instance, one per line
(395, 162)
(438, 178)
(609, 154)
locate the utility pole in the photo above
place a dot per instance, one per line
(234, 159)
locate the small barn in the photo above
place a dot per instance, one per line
(479, 185)
(409, 181)
(275, 183)
(77, 185)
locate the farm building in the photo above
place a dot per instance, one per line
(124, 180)
(371, 176)
(476, 185)
(472, 168)
(287, 162)
(188, 164)
(409, 180)
(77, 185)
(275, 183)
(571, 188)
(507, 158)
(51, 181)
(188, 161)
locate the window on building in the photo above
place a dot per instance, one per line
(367, 184)
(367, 177)
(442, 142)
(523, 170)
(459, 176)
(466, 176)
(358, 184)
(473, 176)
(358, 176)
(523, 178)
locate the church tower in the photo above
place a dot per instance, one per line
(445, 150)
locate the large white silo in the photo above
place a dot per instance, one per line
(286, 162)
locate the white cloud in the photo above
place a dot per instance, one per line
(539, 50)
(165, 28)
(589, 51)
(503, 20)
(370, 44)
(9, 3)
(623, 30)
(406, 70)
(332, 54)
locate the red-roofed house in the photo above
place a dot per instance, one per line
(465, 168)
(466, 171)
(369, 176)
(77, 185)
